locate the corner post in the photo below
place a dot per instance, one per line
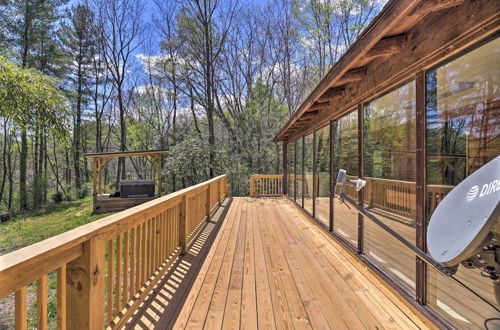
(85, 287)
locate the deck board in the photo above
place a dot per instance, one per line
(270, 267)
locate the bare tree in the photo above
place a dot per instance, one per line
(121, 36)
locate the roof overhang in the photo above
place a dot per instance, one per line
(385, 36)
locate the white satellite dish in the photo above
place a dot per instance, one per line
(462, 223)
(464, 228)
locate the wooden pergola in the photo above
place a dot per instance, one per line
(99, 163)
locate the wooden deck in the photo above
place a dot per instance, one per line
(270, 267)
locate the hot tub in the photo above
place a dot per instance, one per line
(137, 188)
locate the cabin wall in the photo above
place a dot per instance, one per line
(420, 123)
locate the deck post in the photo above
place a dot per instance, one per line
(95, 169)
(85, 287)
(207, 204)
(182, 224)
(250, 192)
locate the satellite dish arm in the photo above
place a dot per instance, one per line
(448, 271)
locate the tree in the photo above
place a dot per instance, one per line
(79, 39)
(31, 36)
(121, 35)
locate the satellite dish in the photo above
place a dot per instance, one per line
(342, 181)
(462, 224)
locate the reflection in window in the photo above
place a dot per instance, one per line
(308, 173)
(463, 133)
(322, 174)
(390, 171)
(345, 156)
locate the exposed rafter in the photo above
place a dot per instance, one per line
(352, 75)
(388, 46)
(427, 6)
(331, 94)
(317, 106)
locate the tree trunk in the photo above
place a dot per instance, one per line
(76, 132)
(23, 195)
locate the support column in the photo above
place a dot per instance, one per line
(421, 216)
(284, 190)
(361, 163)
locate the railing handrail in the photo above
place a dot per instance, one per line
(49, 254)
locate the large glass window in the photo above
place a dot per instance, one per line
(322, 174)
(308, 173)
(291, 169)
(463, 133)
(390, 172)
(345, 156)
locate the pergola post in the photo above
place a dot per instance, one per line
(95, 169)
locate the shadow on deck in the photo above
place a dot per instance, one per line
(259, 263)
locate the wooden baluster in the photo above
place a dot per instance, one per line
(157, 242)
(20, 309)
(111, 277)
(219, 196)
(85, 287)
(144, 253)
(182, 224)
(126, 273)
(41, 302)
(148, 249)
(138, 260)
(61, 298)
(118, 273)
(132, 263)
(162, 237)
(152, 246)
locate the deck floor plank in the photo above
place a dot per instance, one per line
(270, 267)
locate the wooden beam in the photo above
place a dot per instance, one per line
(352, 75)
(331, 94)
(425, 7)
(309, 114)
(388, 46)
(317, 106)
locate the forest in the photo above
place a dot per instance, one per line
(212, 81)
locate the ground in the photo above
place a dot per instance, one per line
(34, 227)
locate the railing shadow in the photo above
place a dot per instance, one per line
(162, 306)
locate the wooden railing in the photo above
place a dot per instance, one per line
(266, 185)
(104, 270)
(399, 196)
(396, 196)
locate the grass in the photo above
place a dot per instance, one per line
(36, 226)
(39, 225)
